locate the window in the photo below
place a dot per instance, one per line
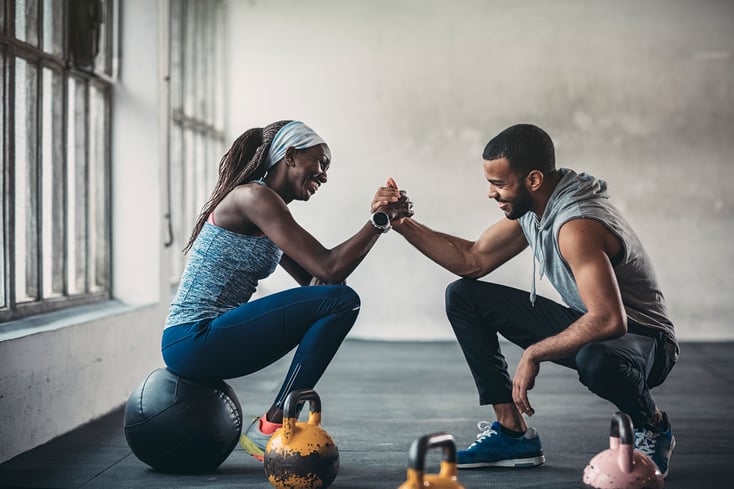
(56, 65)
(197, 115)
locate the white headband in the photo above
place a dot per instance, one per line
(295, 134)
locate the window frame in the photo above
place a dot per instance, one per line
(197, 116)
(46, 63)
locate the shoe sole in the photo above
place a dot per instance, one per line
(672, 447)
(250, 447)
(512, 463)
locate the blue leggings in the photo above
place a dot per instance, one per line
(254, 335)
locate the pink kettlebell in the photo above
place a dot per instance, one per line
(621, 466)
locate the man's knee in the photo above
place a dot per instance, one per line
(457, 293)
(596, 365)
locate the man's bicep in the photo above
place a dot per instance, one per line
(581, 243)
(498, 244)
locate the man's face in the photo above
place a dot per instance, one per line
(507, 189)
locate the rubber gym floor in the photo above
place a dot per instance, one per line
(377, 397)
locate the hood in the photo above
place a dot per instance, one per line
(571, 189)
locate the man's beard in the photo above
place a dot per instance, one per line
(520, 204)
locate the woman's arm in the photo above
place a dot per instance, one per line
(295, 270)
(267, 211)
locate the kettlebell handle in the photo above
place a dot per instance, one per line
(621, 439)
(622, 428)
(417, 454)
(300, 396)
(290, 416)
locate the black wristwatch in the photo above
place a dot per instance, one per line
(381, 221)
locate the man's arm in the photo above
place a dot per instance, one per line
(469, 259)
(585, 245)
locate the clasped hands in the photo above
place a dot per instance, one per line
(392, 201)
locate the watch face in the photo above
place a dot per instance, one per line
(380, 218)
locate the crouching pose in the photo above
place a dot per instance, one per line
(614, 329)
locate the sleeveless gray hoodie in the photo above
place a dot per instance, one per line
(582, 196)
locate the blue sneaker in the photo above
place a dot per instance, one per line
(494, 449)
(658, 446)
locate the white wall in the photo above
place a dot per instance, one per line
(60, 370)
(639, 93)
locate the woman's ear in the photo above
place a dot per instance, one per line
(289, 155)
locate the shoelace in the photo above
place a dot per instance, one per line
(485, 431)
(646, 441)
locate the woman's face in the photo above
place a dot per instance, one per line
(310, 166)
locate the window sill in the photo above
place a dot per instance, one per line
(52, 321)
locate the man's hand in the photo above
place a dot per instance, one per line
(396, 209)
(524, 380)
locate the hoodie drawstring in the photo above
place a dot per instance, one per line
(537, 257)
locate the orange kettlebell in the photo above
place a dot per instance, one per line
(301, 455)
(621, 466)
(446, 478)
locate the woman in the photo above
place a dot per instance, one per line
(245, 229)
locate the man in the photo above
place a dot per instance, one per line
(615, 331)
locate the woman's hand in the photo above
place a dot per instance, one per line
(317, 281)
(389, 194)
(395, 203)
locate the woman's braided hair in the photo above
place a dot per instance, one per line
(242, 163)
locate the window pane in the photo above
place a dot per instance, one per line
(219, 73)
(3, 169)
(26, 21)
(98, 194)
(199, 61)
(76, 200)
(199, 171)
(52, 196)
(53, 22)
(25, 229)
(176, 55)
(191, 210)
(180, 228)
(2, 15)
(189, 61)
(102, 60)
(205, 62)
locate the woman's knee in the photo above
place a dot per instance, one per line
(342, 309)
(345, 297)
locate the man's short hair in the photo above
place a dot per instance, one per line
(526, 147)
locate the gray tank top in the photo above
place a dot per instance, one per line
(222, 272)
(583, 196)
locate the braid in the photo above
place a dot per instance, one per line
(242, 163)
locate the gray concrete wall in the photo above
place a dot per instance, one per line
(638, 93)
